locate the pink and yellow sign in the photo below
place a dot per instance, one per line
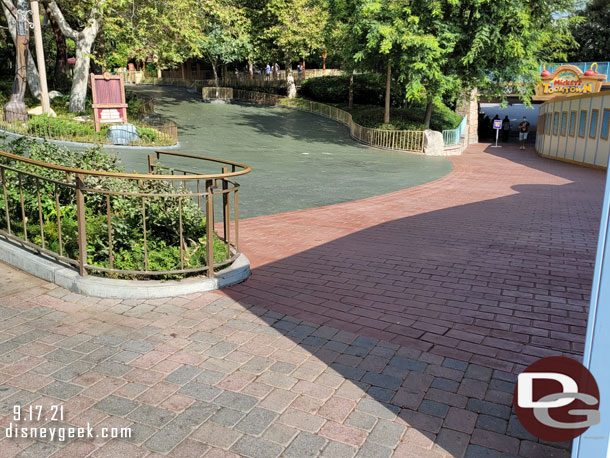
(568, 80)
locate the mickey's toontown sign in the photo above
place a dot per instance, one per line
(569, 80)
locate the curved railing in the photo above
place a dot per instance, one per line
(400, 140)
(169, 212)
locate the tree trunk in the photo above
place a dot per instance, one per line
(60, 75)
(84, 43)
(291, 88)
(78, 93)
(428, 116)
(215, 70)
(251, 69)
(350, 102)
(159, 73)
(183, 71)
(388, 83)
(33, 80)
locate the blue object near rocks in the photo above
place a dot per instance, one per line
(122, 134)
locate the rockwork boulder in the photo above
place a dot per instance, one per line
(433, 143)
(122, 134)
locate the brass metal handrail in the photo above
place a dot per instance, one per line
(192, 189)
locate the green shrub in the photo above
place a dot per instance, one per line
(148, 135)
(408, 119)
(369, 100)
(48, 126)
(126, 215)
(369, 89)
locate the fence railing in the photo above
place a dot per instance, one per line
(281, 75)
(89, 219)
(452, 136)
(219, 93)
(166, 127)
(401, 140)
(203, 79)
(83, 131)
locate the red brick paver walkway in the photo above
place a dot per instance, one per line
(390, 327)
(491, 264)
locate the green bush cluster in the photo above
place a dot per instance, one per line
(126, 215)
(369, 99)
(369, 89)
(405, 119)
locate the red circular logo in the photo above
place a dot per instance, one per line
(556, 399)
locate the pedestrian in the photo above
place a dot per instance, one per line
(505, 128)
(300, 69)
(524, 129)
(276, 70)
(268, 71)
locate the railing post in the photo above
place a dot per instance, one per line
(82, 225)
(209, 226)
(226, 212)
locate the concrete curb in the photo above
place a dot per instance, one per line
(47, 268)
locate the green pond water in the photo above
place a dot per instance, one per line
(299, 160)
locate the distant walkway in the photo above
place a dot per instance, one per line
(491, 264)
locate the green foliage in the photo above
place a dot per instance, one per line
(591, 33)
(162, 214)
(226, 33)
(293, 29)
(369, 89)
(405, 118)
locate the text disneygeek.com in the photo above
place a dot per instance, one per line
(61, 433)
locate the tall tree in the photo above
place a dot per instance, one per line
(295, 28)
(90, 16)
(442, 48)
(167, 31)
(226, 34)
(591, 34)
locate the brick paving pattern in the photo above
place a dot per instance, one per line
(441, 293)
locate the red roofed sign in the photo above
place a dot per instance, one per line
(568, 80)
(109, 105)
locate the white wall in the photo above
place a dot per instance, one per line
(568, 144)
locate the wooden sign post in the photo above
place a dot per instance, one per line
(109, 106)
(15, 109)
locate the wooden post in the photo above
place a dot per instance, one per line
(42, 71)
(15, 109)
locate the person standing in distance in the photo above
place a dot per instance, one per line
(524, 129)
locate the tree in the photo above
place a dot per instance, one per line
(167, 31)
(443, 48)
(294, 29)
(591, 34)
(227, 37)
(90, 15)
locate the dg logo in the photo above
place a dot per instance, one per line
(557, 399)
